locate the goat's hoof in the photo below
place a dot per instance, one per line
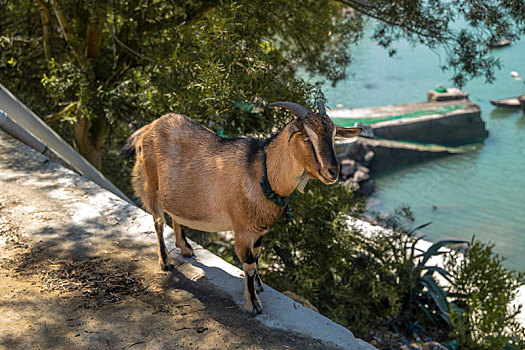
(189, 255)
(165, 265)
(186, 251)
(255, 308)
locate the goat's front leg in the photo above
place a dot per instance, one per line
(245, 251)
(257, 246)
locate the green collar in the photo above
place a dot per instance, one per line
(271, 195)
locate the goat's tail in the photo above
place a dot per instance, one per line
(128, 149)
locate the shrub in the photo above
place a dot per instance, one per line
(484, 289)
(316, 256)
(360, 281)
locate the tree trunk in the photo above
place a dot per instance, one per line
(95, 27)
(90, 134)
(90, 137)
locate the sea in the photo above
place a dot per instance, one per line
(479, 194)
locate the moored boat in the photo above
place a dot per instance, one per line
(511, 102)
(500, 43)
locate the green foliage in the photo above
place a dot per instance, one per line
(220, 62)
(484, 289)
(311, 254)
(358, 280)
(410, 271)
(128, 62)
(426, 291)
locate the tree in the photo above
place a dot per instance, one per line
(99, 69)
(108, 65)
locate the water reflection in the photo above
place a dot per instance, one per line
(500, 113)
(521, 121)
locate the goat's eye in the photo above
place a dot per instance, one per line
(306, 139)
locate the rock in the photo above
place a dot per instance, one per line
(355, 151)
(348, 167)
(363, 168)
(361, 174)
(354, 186)
(369, 156)
(433, 346)
(366, 188)
(201, 329)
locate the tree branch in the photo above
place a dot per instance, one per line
(368, 11)
(50, 118)
(73, 47)
(130, 50)
(199, 13)
(46, 28)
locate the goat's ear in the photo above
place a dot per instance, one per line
(294, 128)
(346, 132)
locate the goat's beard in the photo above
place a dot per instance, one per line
(303, 180)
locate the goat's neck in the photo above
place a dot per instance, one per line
(283, 170)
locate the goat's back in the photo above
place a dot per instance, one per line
(194, 174)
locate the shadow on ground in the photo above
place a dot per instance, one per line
(67, 293)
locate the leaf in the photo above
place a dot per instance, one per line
(426, 312)
(439, 270)
(437, 294)
(419, 227)
(414, 248)
(433, 250)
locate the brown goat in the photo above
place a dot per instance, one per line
(212, 183)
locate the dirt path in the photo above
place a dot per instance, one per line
(63, 287)
(114, 297)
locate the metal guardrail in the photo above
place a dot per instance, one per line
(23, 135)
(22, 123)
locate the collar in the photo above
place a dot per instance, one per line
(270, 194)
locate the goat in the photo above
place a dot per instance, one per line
(212, 183)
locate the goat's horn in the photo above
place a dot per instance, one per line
(300, 111)
(320, 106)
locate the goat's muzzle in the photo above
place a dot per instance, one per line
(330, 174)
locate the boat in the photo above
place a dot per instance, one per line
(500, 43)
(511, 102)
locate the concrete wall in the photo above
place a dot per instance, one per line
(390, 155)
(459, 127)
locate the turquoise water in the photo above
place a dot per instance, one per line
(480, 193)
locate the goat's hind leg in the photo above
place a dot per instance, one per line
(164, 254)
(180, 240)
